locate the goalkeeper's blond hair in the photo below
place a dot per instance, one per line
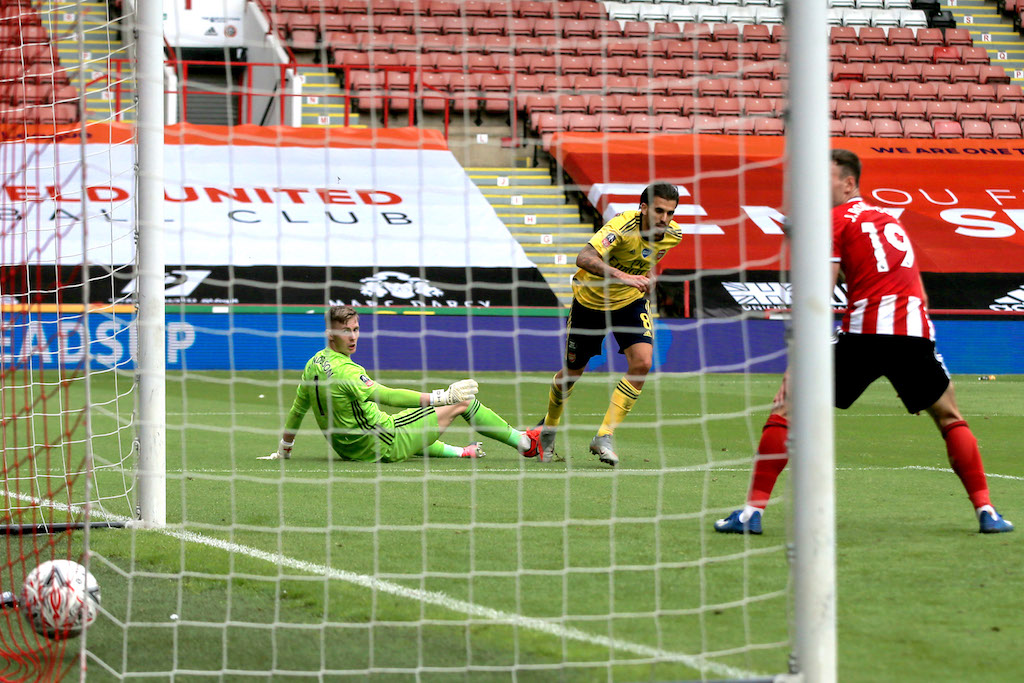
(339, 314)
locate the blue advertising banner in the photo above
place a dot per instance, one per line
(455, 343)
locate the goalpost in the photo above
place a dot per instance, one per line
(155, 330)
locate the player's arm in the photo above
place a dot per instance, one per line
(592, 261)
(457, 392)
(291, 424)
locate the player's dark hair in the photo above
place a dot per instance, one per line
(339, 314)
(663, 190)
(848, 162)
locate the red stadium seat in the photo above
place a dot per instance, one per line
(547, 28)
(588, 10)
(879, 72)
(642, 123)
(735, 125)
(910, 110)
(1006, 130)
(553, 83)
(889, 53)
(696, 31)
(664, 49)
(945, 55)
(708, 124)
(922, 91)
(848, 72)
(532, 8)
(765, 126)
(1009, 93)
(588, 85)
(839, 89)
(864, 91)
(668, 30)
(636, 29)
(603, 104)
(887, 128)
(726, 106)
(936, 73)
(940, 111)
(851, 109)
(744, 51)
(968, 111)
(871, 35)
(856, 53)
(541, 64)
(951, 92)
(835, 127)
(618, 85)
(966, 73)
(857, 128)
(712, 87)
(673, 124)
(536, 104)
(917, 54)
(930, 36)
(727, 33)
(974, 55)
(443, 8)
(757, 33)
(666, 104)
(839, 35)
(606, 29)
(709, 49)
(768, 52)
(572, 104)
(958, 36)
(772, 89)
(893, 91)
(991, 74)
(1000, 111)
(583, 123)
(976, 92)
(700, 106)
(742, 88)
(614, 123)
(635, 104)
(759, 107)
(880, 110)
(900, 36)
(977, 130)
(916, 128)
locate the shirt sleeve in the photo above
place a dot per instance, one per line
(299, 407)
(397, 398)
(605, 239)
(837, 235)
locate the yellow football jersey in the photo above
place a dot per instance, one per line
(622, 245)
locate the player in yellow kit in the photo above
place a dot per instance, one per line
(610, 295)
(346, 404)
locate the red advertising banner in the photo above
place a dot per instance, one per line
(962, 201)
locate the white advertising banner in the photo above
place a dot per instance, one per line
(252, 204)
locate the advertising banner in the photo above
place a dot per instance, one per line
(204, 23)
(262, 215)
(961, 202)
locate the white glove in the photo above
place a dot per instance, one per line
(457, 392)
(284, 449)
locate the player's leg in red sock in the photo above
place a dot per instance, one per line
(769, 462)
(965, 459)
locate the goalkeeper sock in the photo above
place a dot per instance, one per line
(440, 449)
(558, 394)
(965, 459)
(769, 462)
(623, 398)
(487, 422)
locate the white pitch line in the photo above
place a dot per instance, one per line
(436, 598)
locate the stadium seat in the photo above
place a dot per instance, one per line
(878, 72)
(888, 53)
(966, 73)
(867, 90)
(940, 111)
(900, 36)
(869, 35)
(712, 87)
(531, 8)
(835, 127)
(880, 110)
(851, 109)
(642, 123)
(703, 106)
(976, 92)
(893, 91)
(991, 74)
(768, 126)
(742, 88)
(951, 92)
(635, 104)
(930, 36)
(970, 111)
(1006, 130)
(613, 123)
(839, 89)
(572, 104)
(910, 110)
(857, 128)
(534, 103)
(1009, 92)
(974, 55)
(728, 32)
(735, 125)
(708, 124)
(856, 53)
(636, 29)
(958, 36)
(603, 104)
(917, 128)
(1000, 111)
(936, 73)
(887, 128)
(839, 35)
(583, 123)
(976, 130)
(588, 85)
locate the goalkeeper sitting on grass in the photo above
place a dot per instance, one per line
(346, 404)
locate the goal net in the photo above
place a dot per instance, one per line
(320, 154)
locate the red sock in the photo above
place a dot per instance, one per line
(965, 459)
(769, 462)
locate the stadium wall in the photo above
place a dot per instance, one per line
(451, 341)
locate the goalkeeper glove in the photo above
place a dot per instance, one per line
(284, 449)
(457, 392)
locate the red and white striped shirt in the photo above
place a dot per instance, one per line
(883, 284)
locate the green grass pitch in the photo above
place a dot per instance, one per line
(579, 573)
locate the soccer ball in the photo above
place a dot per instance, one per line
(60, 598)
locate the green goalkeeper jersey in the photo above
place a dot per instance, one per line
(345, 403)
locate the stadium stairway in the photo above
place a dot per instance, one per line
(553, 237)
(322, 104)
(101, 40)
(993, 32)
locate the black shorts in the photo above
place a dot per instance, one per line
(910, 363)
(587, 328)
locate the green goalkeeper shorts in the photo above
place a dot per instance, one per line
(415, 430)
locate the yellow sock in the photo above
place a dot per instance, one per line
(623, 398)
(556, 403)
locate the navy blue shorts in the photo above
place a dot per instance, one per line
(587, 328)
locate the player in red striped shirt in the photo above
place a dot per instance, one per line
(885, 332)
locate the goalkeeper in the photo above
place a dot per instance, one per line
(345, 402)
